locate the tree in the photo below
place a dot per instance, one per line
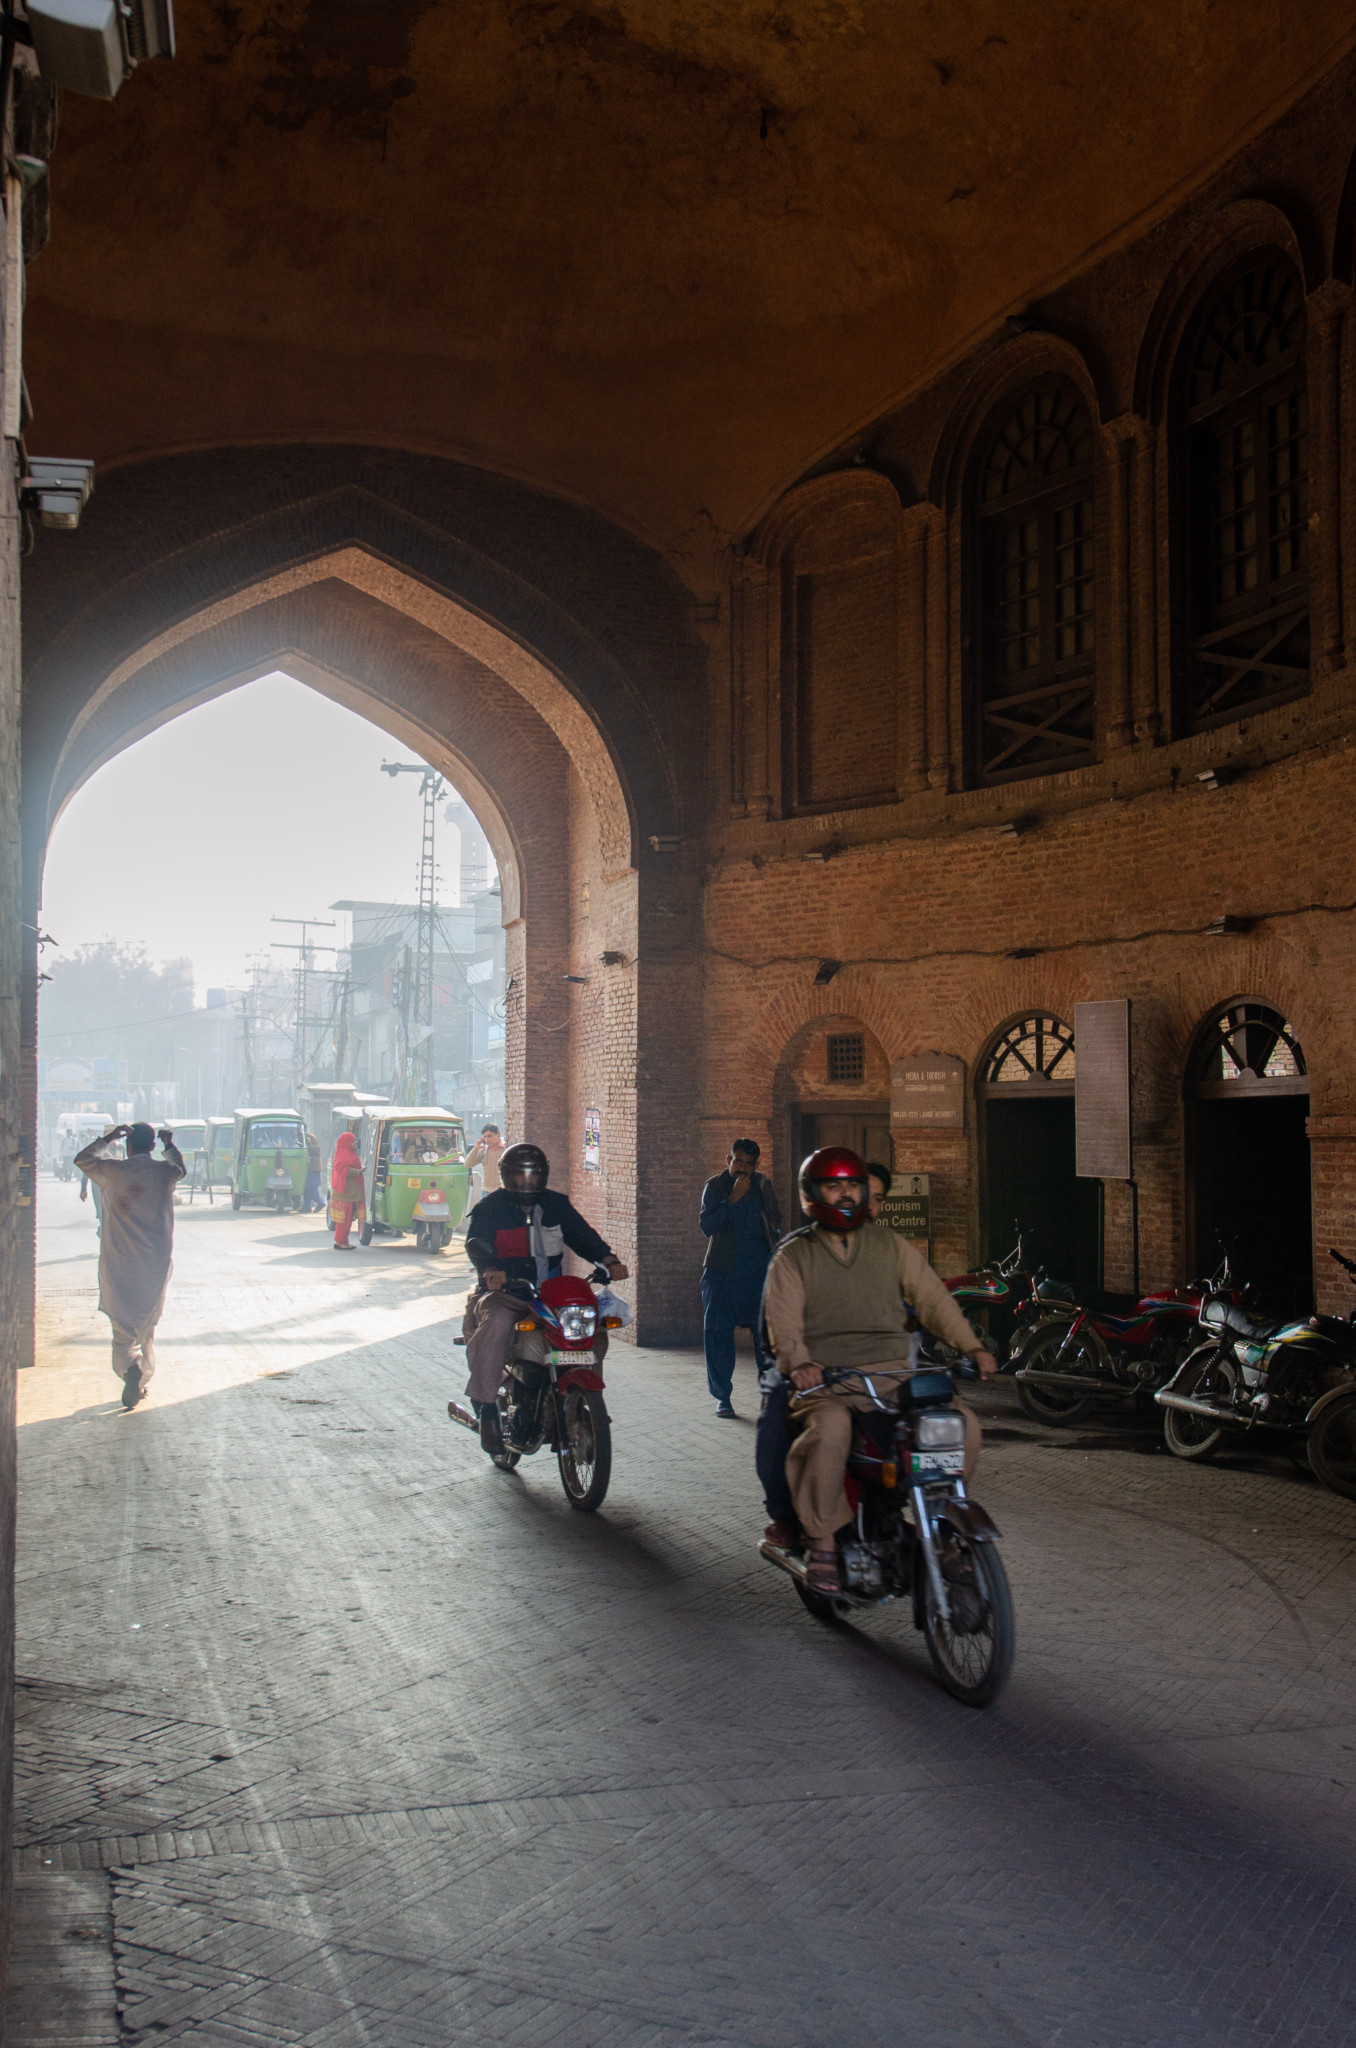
(99, 990)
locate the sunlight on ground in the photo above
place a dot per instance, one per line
(286, 1301)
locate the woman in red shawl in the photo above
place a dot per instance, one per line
(346, 1190)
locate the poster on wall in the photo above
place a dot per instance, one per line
(593, 1140)
(908, 1206)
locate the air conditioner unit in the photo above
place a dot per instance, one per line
(90, 46)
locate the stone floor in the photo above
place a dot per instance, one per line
(332, 1735)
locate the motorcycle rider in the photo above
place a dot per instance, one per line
(524, 1229)
(837, 1295)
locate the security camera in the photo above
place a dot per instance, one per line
(90, 46)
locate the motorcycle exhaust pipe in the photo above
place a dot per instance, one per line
(464, 1416)
(1075, 1382)
(1213, 1414)
(794, 1566)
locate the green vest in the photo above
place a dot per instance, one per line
(855, 1313)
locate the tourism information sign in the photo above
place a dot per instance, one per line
(927, 1092)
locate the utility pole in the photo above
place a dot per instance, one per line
(419, 1080)
(341, 1028)
(304, 952)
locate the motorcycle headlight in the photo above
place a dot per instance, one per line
(577, 1323)
(1211, 1314)
(939, 1432)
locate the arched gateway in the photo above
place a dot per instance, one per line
(458, 613)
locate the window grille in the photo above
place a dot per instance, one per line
(1248, 1045)
(1247, 463)
(1038, 1048)
(847, 1056)
(1034, 508)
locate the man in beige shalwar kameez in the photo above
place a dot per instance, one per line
(135, 1246)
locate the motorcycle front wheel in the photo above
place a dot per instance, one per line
(585, 1452)
(1332, 1448)
(1048, 1404)
(1196, 1437)
(972, 1651)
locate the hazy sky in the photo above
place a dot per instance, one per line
(267, 800)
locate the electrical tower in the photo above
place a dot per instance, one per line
(419, 1082)
(303, 974)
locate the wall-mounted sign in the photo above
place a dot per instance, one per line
(593, 1140)
(927, 1092)
(908, 1206)
(1102, 1090)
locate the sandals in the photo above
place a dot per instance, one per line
(821, 1568)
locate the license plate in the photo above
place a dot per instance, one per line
(570, 1358)
(937, 1464)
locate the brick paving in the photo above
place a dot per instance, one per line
(332, 1735)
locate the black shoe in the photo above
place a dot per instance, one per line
(491, 1435)
(725, 1412)
(132, 1389)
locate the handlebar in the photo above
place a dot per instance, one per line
(1349, 1265)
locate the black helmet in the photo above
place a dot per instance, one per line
(523, 1172)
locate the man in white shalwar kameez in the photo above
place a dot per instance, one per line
(135, 1246)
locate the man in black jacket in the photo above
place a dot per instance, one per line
(740, 1219)
(525, 1227)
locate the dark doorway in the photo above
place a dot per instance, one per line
(1248, 1168)
(1029, 1174)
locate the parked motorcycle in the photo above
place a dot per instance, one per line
(1067, 1365)
(917, 1536)
(553, 1389)
(1025, 1291)
(1272, 1381)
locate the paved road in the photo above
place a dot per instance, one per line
(332, 1735)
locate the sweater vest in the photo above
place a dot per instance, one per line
(854, 1314)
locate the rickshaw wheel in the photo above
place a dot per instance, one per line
(236, 1200)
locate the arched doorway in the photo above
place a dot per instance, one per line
(1247, 1154)
(1026, 1122)
(832, 1088)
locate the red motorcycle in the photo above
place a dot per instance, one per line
(553, 1388)
(1010, 1285)
(1068, 1364)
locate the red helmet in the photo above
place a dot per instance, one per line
(831, 1163)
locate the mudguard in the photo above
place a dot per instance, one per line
(968, 1518)
(580, 1376)
(1330, 1400)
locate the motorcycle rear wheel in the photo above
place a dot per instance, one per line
(1332, 1448)
(1197, 1437)
(973, 1663)
(585, 1452)
(1047, 1404)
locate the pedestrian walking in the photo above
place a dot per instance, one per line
(742, 1223)
(483, 1160)
(136, 1243)
(310, 1200)
(348, 1201)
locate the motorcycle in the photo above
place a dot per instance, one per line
(917, 1536)
(1067, 1365)
(1274, 1382)
(1013, 1284)
(553, 1389)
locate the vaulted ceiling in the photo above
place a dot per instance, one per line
(660, 255)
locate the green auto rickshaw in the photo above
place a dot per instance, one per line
(270, 1158)
(220, 1148)
(415, 1175)
(190, 1136)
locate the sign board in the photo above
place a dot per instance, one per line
(927, 1092)
(908, 1206)
(1102, 1090)
(593, 1140)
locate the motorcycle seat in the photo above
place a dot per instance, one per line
(1241, 1323)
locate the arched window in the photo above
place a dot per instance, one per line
(1248, 1046)
(1034, 706)
(1038, 1048)
(1246, 470)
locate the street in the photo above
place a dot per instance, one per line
(331, 1734)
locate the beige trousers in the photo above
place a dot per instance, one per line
(817, 1460)
(134, 1347)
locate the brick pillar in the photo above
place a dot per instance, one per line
(1332, 1143)
(943, 1156)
